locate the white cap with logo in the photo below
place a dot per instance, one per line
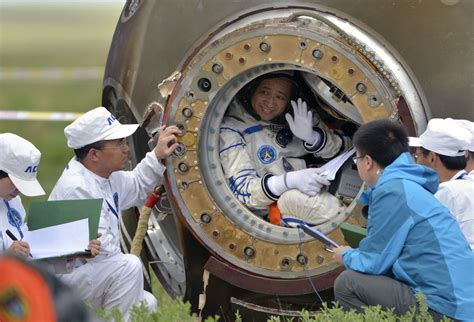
(20, 160)
(96, 125)
(443, 136)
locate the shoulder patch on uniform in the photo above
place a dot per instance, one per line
(266, 154)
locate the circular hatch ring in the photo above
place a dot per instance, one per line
(301, 38)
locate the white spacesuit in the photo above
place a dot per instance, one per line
(252, 151)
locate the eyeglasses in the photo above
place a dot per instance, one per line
(355, 158)
(415, 155)
(122, 144)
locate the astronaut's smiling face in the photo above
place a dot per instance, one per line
(271, 97)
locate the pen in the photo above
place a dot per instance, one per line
(10, 234)
(13, 237)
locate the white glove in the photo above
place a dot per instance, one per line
(308, 181)
(302, 124)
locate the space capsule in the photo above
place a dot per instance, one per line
(182, 62)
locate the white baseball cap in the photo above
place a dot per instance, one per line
(468, 125)
(20, 160)
(443, 136)
(96, 125)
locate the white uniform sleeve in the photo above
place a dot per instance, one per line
(239, 169)
(460, 204)
(16, 204)
(135, 186)
(446, 197)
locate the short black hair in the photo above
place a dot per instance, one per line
(81, 153)
(383, 140)
(3, 174)
(451, 163)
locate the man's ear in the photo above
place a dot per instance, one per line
(92, 155)
(370, 163)
(433, 159)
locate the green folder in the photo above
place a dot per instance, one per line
(52, 213)
(353, 234)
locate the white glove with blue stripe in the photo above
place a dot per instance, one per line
(308, 181)
(302, 123)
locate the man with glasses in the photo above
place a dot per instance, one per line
(112, 279)
(442, 147)
(413, 244)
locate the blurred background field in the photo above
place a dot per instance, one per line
(56, 34)
(52, 34)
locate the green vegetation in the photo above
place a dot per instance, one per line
(56, 35)
(39, 36)
(178, 311)
(80, 36)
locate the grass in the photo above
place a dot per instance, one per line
(39, 36)
(56, 35)
(179, 311)
(79, 36)
(42, 36)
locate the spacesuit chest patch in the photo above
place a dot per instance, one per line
(266, 154)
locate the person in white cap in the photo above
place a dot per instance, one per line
(112, 279)
(262, 150)
(413, 243)
(468, 125)
(19, 162)
(442, 147)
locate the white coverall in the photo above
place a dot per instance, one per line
(249, 153)
(112, 279)
(457, 195)
(16, 224)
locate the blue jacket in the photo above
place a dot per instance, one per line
(414, 239)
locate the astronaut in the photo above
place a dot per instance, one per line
(262, 145)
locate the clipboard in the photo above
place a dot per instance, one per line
(51, 213)
(318, 235)
(353, 234)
